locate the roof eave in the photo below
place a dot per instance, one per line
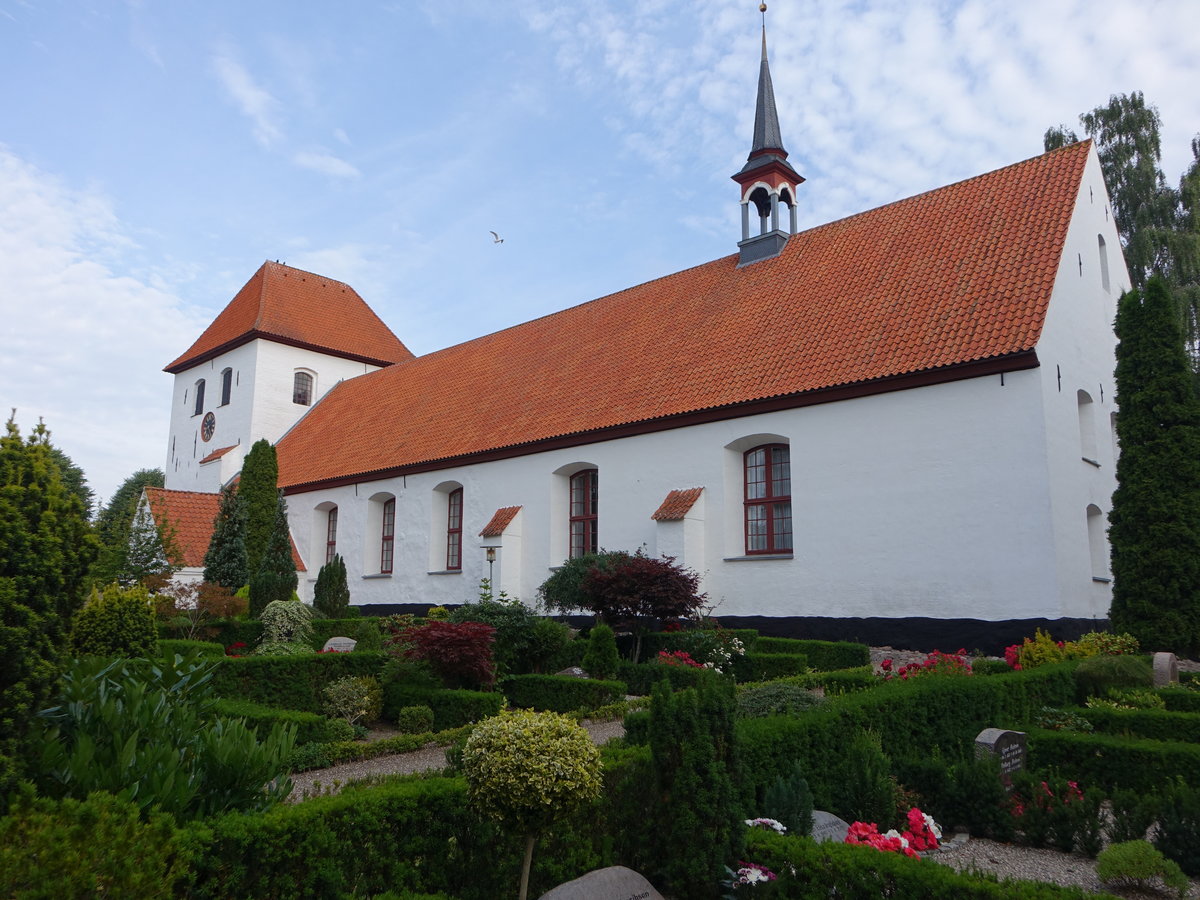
(183, 365)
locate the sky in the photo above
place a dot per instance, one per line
(153, 154)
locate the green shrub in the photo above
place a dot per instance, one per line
(1112, 762)
(169, 648)
(354, 699)
(768, 666)
(640, 678)
(789, 800)
(309, 727)
(985, 666)
(1155, 724)
(824, 656)
(1135, 864)
(290, 682)
(773, 699)
(1133, 812)
(548, 642)
(1097, 675)
(1053, 719)
(1178, 833)
(1108, 644)
(286, 622)
(146, 734)
(514, 624)
(601, 659)
(451, 708)
(414, 719)
(96, 847)
(331, 595)
(1180, 700)
(363, 630)
(117, 621)
(560, 693)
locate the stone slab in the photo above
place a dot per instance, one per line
(826, 827)
(1166, 669)
(340, 645)
(1009, 746)
(613, 883)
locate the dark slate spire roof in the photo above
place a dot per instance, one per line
(766, 119)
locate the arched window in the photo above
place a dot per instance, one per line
(226, 386)
(1087, 427)
(331, 535)
(302, 389)
(388, 538)
(1097, 545)
(199, 407)
(768, 499)
(584, 500)
(454, 517)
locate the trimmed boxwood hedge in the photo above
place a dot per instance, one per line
(824, 656)
(768, 666)
(560, 693)
(363, 630)
(677, 640)
(290, 682)
(1155, 724)
(310, 727)
(169, 647)
(640, 678)
(451, 708)
(1180, 700)
(1112, 762)
(808, 870)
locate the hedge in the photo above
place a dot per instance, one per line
(414, 835)
(1179, 700)
(640, 678)
(756, 666)
(170, 647)
(290, 682)
(451, 708)
(365, 631)
(824, 656)
(310, 727)
(808, 870)
(560, 693)
(1155, 724)
(1111, 762)
(677, 640)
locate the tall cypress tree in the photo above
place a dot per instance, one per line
(1154, 525)
(276, 577)
(331, 596)
(225, 559)
(46, 546)
(258, 491)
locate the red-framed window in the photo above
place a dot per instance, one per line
(331, 535)
(302, 389)
(387, 542)
(768, 499)
(584, 501)
(454, 514)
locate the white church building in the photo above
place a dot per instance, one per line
(897, 426)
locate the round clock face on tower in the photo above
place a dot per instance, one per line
(208, 426)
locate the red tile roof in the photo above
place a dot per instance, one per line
(188, 517)
(958, 275)
(291, 306)
(217, 454)
(501, 520)
(677, 505)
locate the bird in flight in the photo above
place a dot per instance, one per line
(498, 239)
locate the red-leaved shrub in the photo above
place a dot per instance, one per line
(459, 653)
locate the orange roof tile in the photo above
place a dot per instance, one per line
(501, 520)
(677, 504)
(957, 275)
(189, 517)
(217, 454)
(291, 306)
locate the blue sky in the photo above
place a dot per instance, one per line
(153, 154)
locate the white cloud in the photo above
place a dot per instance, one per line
(254, 101)
(326, 164)
(84, 342)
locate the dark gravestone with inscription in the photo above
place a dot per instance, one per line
(1007, 746)
(828, 827)
(613, 883)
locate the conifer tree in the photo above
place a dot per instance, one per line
(114, 523)
(225, 559)
(258, 490)
(150, 549)
(276, 577)
(331, 596)
(46, 546)
(1154, 525)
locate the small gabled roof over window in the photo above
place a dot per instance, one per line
(677, 505)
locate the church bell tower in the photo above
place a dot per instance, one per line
(767, 180)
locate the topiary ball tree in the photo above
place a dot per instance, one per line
(528, 769)
(117, 621)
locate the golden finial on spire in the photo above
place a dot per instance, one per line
(762, 7)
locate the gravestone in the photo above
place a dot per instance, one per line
(339, 645)
(1166, 669)
(1008, 746)
(828, 827)
(572, 672)
(613, 883)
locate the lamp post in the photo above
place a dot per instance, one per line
(491, 561)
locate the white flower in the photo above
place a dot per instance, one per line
(898, 836)
(933, 826)
(767, 823)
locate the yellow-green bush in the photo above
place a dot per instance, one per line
(117, 621)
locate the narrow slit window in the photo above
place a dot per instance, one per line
(387, 541)
(454, 516)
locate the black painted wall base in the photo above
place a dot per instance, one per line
(911, 633)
